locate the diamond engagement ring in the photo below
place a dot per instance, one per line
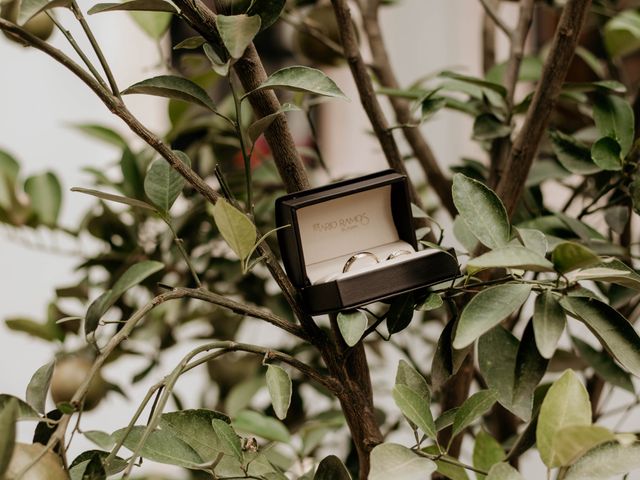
(355, 257)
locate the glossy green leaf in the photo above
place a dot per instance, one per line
(331, 468)
(261, 425)
(268, 10)
(510, 257)
(134, 5)
(487, 309)
(303, 79)
(154, 24)
(622, 33)
(163, 183)
(567, 256)
(218, 65)
(410, 377)
(605, 462)
(191, 43)
(393, 461)
(488, 127)
(237, 32)
(195, 428)
(574, 155)
(258, 127)
(473, 408)
(566, 404)
(503, 471)
(446, 419)
(161, 446)
(132, 202)
(8, 419)
(482, 211)
(133, 276)
(549, 321)
(39, 387)
(614, 271)
(614, 331)
(487, 451)
(229, 441)
(614, 118)
(606, 154)
(432, 302)
(352, 325)
(30, 8)
(235, 227)
(415, 407)
(170, 86)
(572, 442)
(45, 194)
(25, 411)
(400, 313)
(279, 386)
(529, 369)
(603, 365)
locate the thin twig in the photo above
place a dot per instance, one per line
(496, 18)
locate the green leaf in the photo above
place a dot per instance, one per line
(572, 442)
(622, 33)
(45, 193)
(487, 309)
(488, 127)
(217, 64)
(161, 446)
(195, 429)
(446, 464)
(154, 24)
(279, 386)
(430, 106)
(416, 408)
(534, 240)
(626, 276)
(45, 331)
(614, 331)
(103, 440)
(566, 404)
(262, 426)
(464, 235)
(474, 407)
(352, 325)
(603, 365)
(102, 133)
(237, 32)
(574, 155)
(229, 440)
(510, 257)
(134, 5)
(606, 154)
(8, 418)
(331, 468)
(504, 471)
(432, 302)
(303, 79)
(258, 127)
(39, 386)
(25, 411)
(268, 10)
(487, 451)
(496, 87)
(30, 8)
(400, 313)
(614, 118)
(410, 377)
(132, 202)
(235, 227)
(605, 462)
(170, 86)
(497, 351)
(133, 276)
(163, 183)
(549, 321)
(567, 256)
(529, 370)
(482, 211)
(393, 461)
(191, 43)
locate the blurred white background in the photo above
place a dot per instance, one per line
(39, 100)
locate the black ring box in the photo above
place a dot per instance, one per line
(327, 225)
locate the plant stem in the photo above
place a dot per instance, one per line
(185, 255)
(96, 47)
(243, 148)
(496, 18)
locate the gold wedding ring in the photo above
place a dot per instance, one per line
(397, 253)
(355, 257)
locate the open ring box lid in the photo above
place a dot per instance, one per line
(330, 224)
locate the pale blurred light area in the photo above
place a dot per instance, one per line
(39, 99)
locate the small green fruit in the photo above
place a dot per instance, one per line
(69, 374)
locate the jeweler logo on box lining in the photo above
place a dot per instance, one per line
(344, 224)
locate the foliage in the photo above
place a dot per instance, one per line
(176, 251)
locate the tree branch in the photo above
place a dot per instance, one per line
(491, 12)
(511, 184)
(387, 78)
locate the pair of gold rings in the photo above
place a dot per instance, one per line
(358, 255)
